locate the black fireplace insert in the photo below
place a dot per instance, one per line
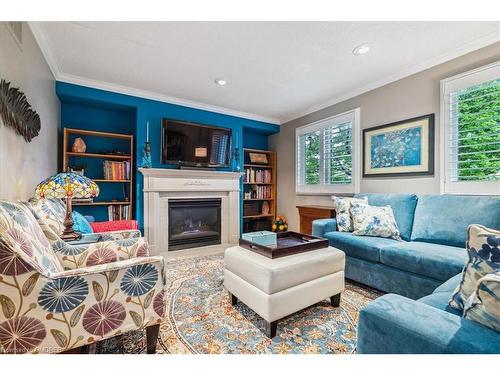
(193, 223)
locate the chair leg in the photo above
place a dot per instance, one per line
(335, 300)
(152, 338)
(271, 328)
(233, 298)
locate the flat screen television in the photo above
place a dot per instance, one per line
(196, 145)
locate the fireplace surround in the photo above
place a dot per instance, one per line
(165, 186)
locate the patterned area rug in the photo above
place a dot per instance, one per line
(201, 319)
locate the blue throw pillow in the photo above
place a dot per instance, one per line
(80, 224)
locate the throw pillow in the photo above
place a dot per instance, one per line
(342, 207)
(80, 224)
(374, 221)
(483, 306)
(483, 248)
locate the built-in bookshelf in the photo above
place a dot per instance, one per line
(108, 161)
(259, 189)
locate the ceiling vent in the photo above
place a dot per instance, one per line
(16, 29)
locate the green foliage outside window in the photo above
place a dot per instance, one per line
(479, 132)
(312, 154)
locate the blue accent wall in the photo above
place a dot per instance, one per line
(88, 108)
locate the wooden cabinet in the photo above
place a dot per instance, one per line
(309, 213)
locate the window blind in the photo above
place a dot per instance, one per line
(338, 153)
(327, 155)
(474, 133)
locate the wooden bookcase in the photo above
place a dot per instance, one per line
(260, 191)
(104, 154)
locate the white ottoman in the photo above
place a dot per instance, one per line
(276, 288)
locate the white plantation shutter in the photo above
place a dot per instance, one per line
(328, 155)
(338, 153)
(471, 126)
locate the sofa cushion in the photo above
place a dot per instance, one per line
(367, 248)
(440, 301)
(403, 207)
(449, 285)
(444, 219)
(437, 261)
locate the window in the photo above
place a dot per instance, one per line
(470, 132)
(327, 156)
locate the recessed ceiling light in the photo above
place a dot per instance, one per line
(360, 50)
(220, 82)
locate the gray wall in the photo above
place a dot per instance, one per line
(409, 97)
(23, 165)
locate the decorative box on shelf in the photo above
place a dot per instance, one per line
(264, 237)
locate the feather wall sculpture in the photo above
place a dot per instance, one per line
(17, 113)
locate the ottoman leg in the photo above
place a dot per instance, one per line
(271, 328)
(233, 298)
(335, 300)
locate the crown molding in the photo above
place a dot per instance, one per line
(101, 85)
(463, 50)
(44, 45)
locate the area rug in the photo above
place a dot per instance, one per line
(200, 319)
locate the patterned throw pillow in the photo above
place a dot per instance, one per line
(342, 206)
(374, 221)
(483, 306)
(483, 247)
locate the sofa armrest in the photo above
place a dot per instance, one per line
(396, 324)
(85, 255)
(322, 226)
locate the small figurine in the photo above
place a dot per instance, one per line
(79, 146)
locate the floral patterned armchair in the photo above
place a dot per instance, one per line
(52, 211)
(46, 309)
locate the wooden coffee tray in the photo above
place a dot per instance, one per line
(288, 243)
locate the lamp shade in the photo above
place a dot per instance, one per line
(67, 185)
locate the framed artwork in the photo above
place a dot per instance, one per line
(403, 148)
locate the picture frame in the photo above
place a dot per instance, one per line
(257, 158)
(400, 149)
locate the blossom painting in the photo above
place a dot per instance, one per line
(397, 148)
(401, 148)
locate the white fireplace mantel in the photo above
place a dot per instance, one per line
(160, 185)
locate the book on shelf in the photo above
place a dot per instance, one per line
(261, 192)
(116, 170)
(118, 212)
(256, 175)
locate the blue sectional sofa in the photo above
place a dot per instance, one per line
(426, 266)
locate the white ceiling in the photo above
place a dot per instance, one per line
(276, 71)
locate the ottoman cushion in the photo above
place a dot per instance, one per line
(275, 275)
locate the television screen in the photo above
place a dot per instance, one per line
(190, 144)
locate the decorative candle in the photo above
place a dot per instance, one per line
(147, 131)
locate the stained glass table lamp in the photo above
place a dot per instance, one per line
(67, 185)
